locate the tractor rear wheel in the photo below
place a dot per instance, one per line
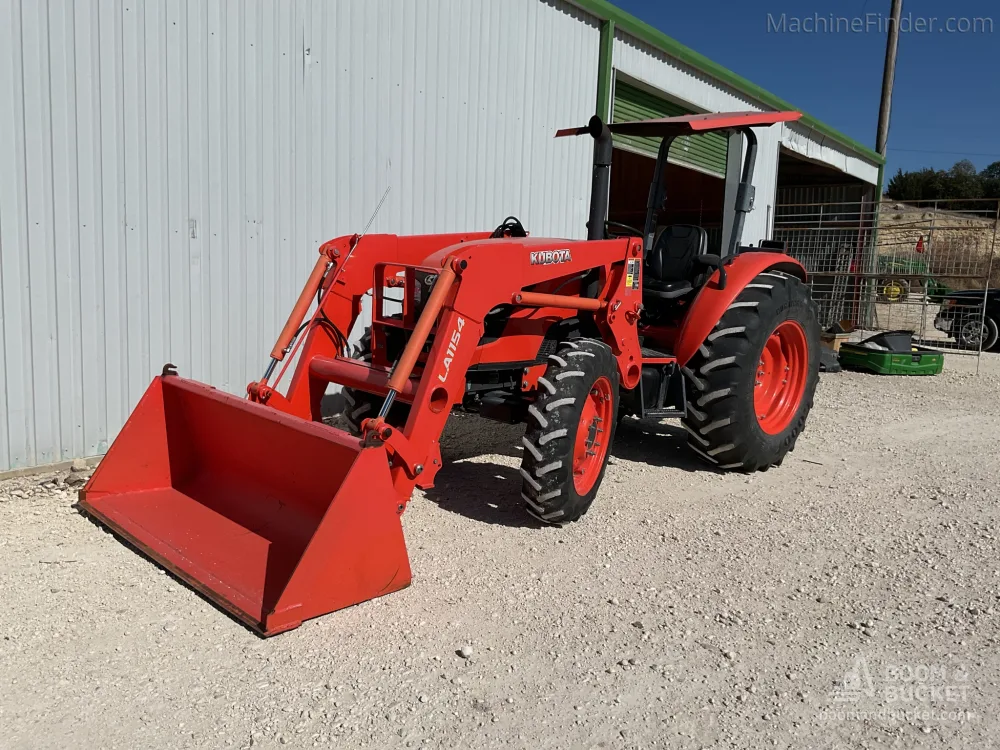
(753, 380)
(360, 405)
(570, 429)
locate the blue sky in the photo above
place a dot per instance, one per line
(946, 96)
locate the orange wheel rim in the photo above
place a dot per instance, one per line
(780, 380)
(591, 445)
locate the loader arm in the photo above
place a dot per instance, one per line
(350, 261)
(480, 283)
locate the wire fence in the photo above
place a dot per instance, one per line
(923, 267)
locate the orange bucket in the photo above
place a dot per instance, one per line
(274, 518)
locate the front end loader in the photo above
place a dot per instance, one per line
(278, 517)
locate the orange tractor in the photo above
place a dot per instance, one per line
(278, 517)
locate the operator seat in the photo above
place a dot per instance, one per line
(670, 265)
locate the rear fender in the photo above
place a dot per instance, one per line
(712, 302)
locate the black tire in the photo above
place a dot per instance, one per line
(361, 405)
(548, 489)
(969, 326)
(721, 420)
(994, 335)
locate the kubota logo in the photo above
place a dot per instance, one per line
(449, 353)
(546, 257)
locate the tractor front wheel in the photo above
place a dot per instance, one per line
(753, 380)
(360, 405)
(570, 428)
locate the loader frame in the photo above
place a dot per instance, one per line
(465, 291)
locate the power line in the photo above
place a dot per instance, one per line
(932, 151)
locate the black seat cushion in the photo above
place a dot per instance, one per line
(670, 264)
(673, 253)
(665, 289)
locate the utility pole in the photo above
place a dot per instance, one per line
(888, 75)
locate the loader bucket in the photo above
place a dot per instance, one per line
(274, 518)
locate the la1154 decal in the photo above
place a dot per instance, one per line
(449, 354)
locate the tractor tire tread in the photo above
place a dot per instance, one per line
(723, 430)
(548, 489)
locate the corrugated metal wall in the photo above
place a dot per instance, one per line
(169, 167)
(705, 153)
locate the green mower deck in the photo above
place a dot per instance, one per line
(919, 361)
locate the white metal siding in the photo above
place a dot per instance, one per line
(815, 146)
(168, 169)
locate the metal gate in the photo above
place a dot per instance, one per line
(833, 239)
(924, 267)
(934, 263)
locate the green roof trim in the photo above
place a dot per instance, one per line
(632, 26)
(605, 72)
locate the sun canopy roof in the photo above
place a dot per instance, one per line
(691, 124)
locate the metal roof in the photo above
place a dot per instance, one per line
(653, 36)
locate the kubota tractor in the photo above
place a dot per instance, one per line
(278, 517)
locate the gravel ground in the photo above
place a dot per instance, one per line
(848, 599)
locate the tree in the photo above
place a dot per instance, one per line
(992, 172)
(925, 184)
(990, 177)
(960, 182)
(964, 168)
(963, 181)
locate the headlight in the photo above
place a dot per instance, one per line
(422, 289)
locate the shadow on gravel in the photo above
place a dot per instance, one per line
(656, 444)
(468, 435)
(491, 493)
(485, 492)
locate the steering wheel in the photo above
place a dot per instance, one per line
(617, 229)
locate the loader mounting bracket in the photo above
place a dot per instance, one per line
(259, 392)
(377, 432)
